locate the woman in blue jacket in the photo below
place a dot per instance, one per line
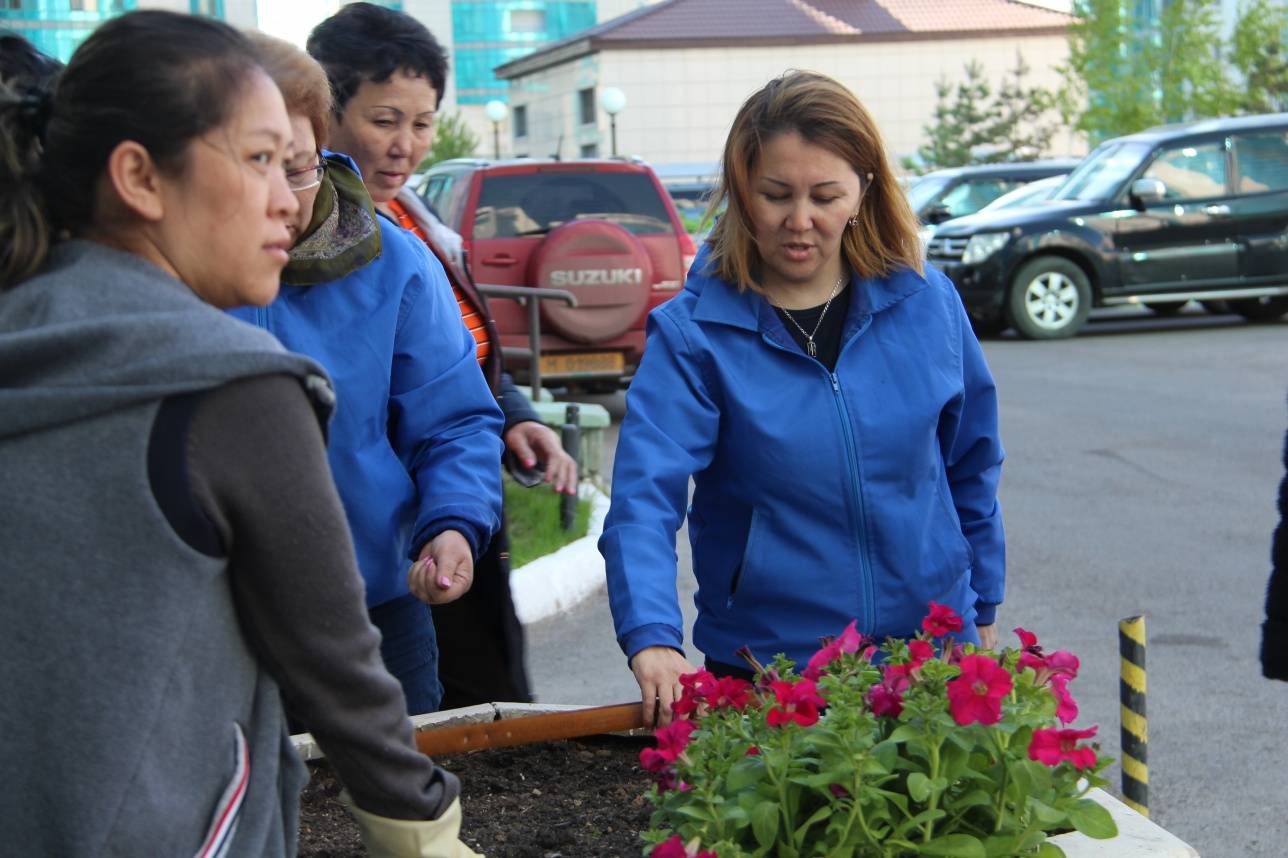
(415, 440)
(826, 395)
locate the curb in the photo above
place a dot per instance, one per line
(556, 582)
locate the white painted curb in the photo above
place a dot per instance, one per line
(558, 581)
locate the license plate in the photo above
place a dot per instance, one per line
(588, 363)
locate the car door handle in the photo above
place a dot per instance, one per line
(501, 260)
(1216, 210)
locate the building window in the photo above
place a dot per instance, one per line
(84, 5)
(590, 150)
(527, 21)
(520, 121)
(211, 8)
(11, 4)
(586, 100)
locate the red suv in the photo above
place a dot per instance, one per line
(605, 230)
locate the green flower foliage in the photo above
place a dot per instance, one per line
(912, 781)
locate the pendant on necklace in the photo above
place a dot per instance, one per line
(811, 348)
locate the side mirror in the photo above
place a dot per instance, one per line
(937, 214)
(1146, 192)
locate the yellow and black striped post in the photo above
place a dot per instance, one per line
(1135, 730)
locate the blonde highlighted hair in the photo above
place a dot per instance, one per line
(825, 113)
(302, 80)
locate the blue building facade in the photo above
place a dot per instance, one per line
(56, 27)
(488, 33)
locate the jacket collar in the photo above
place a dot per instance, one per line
(721, 302)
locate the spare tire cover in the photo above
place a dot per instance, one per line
(607, 268)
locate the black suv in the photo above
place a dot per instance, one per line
(1191, 211)
(960, 191)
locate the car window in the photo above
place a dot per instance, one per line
(436, 190)
(1190, 172)
(535, 203)
(1263, 162)
(973, 194)
(924, 191)
(1103, 173)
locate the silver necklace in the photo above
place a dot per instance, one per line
(809, 335)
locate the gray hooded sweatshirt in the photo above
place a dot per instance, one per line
(134, 718)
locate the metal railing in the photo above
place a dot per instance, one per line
(530, 297)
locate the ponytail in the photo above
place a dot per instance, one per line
(26, 83)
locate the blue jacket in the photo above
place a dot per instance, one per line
(415, 442)
(820, 497)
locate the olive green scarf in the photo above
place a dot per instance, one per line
(343, 234)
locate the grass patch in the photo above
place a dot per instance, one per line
(533, 522)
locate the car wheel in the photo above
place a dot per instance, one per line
(1049, 298)
(1265, 309)
(1217, 308)
(1167, 308)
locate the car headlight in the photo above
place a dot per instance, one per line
(984, 245)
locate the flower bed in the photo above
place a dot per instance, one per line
(918, 747)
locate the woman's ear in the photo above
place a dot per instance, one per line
(134, 178)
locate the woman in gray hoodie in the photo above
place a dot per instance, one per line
(169, 532)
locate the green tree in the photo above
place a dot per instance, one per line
(1110, 87)
(963, 121)
(975, 124)
(1186, 52)
(1257, 53)
(1025, 120)
(452, 139)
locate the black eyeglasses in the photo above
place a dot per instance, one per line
(306, 177)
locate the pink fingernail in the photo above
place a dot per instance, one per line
(444, 581)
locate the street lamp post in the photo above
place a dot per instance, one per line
(496, 111)
(613, 101)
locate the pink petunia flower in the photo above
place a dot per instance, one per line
(675, 848)
(885, 701)
(798, 701)
(1028, 640)
(976, 695)
(921, 651)
(730, 692)
(941, 620)
(674, 738)
(819, 661)
(1066, 707)
(1051, 747)
(753, 751)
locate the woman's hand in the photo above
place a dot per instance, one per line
(658, 670)
(987, 636)
(444, 571)
(531, 442)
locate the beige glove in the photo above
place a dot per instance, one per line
(409, 838)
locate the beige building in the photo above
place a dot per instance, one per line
(686, 65)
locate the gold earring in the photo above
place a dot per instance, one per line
(854, 221)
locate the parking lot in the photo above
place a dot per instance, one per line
(1143, 460)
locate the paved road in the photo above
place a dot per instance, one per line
(1143, 460)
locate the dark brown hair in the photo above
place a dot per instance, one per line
(160, 79)
(823, 112)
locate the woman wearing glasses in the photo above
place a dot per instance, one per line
(826, 395)
(416, 436)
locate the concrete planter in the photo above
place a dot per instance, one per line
(1137, 836)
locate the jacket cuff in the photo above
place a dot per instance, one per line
(515, 407)
(473, 534)
(653, 634)
(985, 613)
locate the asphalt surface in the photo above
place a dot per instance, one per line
(1143, 459)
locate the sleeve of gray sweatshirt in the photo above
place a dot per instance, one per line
(257, 467)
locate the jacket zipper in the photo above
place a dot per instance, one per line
(867, 599)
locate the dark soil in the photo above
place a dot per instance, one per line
(569, 799)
